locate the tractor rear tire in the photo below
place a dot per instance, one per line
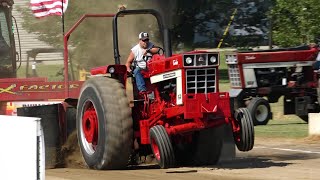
(104, 124)
(205, 148)
(161, 147)
(244, 139)
(260, 111)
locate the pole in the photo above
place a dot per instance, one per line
(270, 34)
(66, 71)
(62, 18)
(227, 28)
(67, 60)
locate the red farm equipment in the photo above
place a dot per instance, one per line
(33, 91)
(8, 54)
(23, 89)
(258, 78)
(177, 121)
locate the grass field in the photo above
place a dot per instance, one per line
(291, 128)
(281, 126)
(52, 72)
(285, 126)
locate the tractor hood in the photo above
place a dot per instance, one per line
(193, 59)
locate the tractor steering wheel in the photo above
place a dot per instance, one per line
(160, 51)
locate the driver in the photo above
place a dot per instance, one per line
(139, 56)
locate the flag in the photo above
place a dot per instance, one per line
(43, 8)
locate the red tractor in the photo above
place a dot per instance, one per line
(258, 78)
(177, 121)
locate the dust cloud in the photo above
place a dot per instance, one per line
(70, 153)
(96, 46)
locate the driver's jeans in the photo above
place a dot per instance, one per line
(141, 85)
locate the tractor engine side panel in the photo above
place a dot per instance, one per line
(265, 77)
(257, 75)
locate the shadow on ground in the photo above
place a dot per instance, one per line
(251, 162)
(144, 167)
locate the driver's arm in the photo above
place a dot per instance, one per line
(153, 50)
(129, 61)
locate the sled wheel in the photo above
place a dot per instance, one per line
(104, 124)
(161, 147)
(260, 111)
(244, 137)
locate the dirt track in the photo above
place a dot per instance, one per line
(270, 159)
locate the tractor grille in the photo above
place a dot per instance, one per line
(201, 80)
(234, 75)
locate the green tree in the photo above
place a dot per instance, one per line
(295, 22)
(250, 24)
(200, 23)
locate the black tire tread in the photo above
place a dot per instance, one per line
(165, 147)
(247, 131)
(118, 124)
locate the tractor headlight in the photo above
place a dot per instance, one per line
(111, 70)
(188, 60)
(213, 59)
(231, 59)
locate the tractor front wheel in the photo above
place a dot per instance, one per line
(104, 124)
(161, 147)
(244, 135)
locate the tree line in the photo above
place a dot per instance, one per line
(193, 24)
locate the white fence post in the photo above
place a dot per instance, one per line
(314, 124)
(22, 152)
